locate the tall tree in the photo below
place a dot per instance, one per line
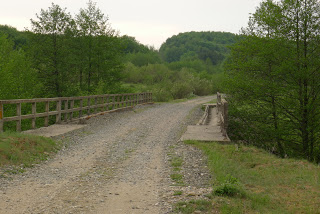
(51, 49)
(95, 36)
(274, 77)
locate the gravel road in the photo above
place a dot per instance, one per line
(117, 163)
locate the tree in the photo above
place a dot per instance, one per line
(98, 47)
(18, 79)
(50, 48)
(273, 78)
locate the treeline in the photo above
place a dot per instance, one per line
(273, 79)
(195, 70)
(61, 55)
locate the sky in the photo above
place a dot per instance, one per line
(151, 22)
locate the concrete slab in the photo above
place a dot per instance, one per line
(54, 130)
(211, 131)
(204, 133)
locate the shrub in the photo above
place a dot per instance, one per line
(231, 187)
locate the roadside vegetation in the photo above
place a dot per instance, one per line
(272, 80)
(18, 151)
(176, 163)
(251, 180)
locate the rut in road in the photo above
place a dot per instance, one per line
(116, 164)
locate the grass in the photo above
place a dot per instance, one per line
(259, 182)
(202, 206)
(176, 193)
(176, 163)
(18, 149)
(212, 101)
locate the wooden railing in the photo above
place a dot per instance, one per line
(222, 112)
(68, 108)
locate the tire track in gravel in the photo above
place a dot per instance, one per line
(114, 165)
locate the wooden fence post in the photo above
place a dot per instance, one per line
(71, 107)
(81, 105)
(111, 102)
(34, 112)
(19, 117)
(95, 104)
(58, 116)
(107, 103)
(89, 106)
(1, 117)
(118, 101)
(102, 99)
(66, 109)
(46, 119)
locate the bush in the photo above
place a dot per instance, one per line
(231, 187)
(162, 95)
(181, 90)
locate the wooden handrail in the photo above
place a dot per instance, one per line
(66, 107)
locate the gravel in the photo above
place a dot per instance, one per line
(117, 163)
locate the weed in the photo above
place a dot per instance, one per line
(176, 161)
(176, 193)
(230, 187)
(176, 177)
(192, 206)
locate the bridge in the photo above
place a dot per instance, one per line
(213, 125)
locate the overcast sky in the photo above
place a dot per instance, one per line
(151, 22)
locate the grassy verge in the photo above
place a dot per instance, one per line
(176, 163)
(249, 180)
(18, 149)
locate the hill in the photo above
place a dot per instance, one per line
(211, 47)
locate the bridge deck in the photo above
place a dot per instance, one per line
(210, 131)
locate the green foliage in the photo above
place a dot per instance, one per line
(230, 187)
(211, 46)
(132, 45)
(21, 149)
(167, 84)
(176, 193)
(268, 184)
(273, 78)
(50, 49)
(75, 56)
(99, 50)
(192, 206)
(20, 39)
(141, 59)
(18, 79)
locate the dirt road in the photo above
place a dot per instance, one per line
(116, 164)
